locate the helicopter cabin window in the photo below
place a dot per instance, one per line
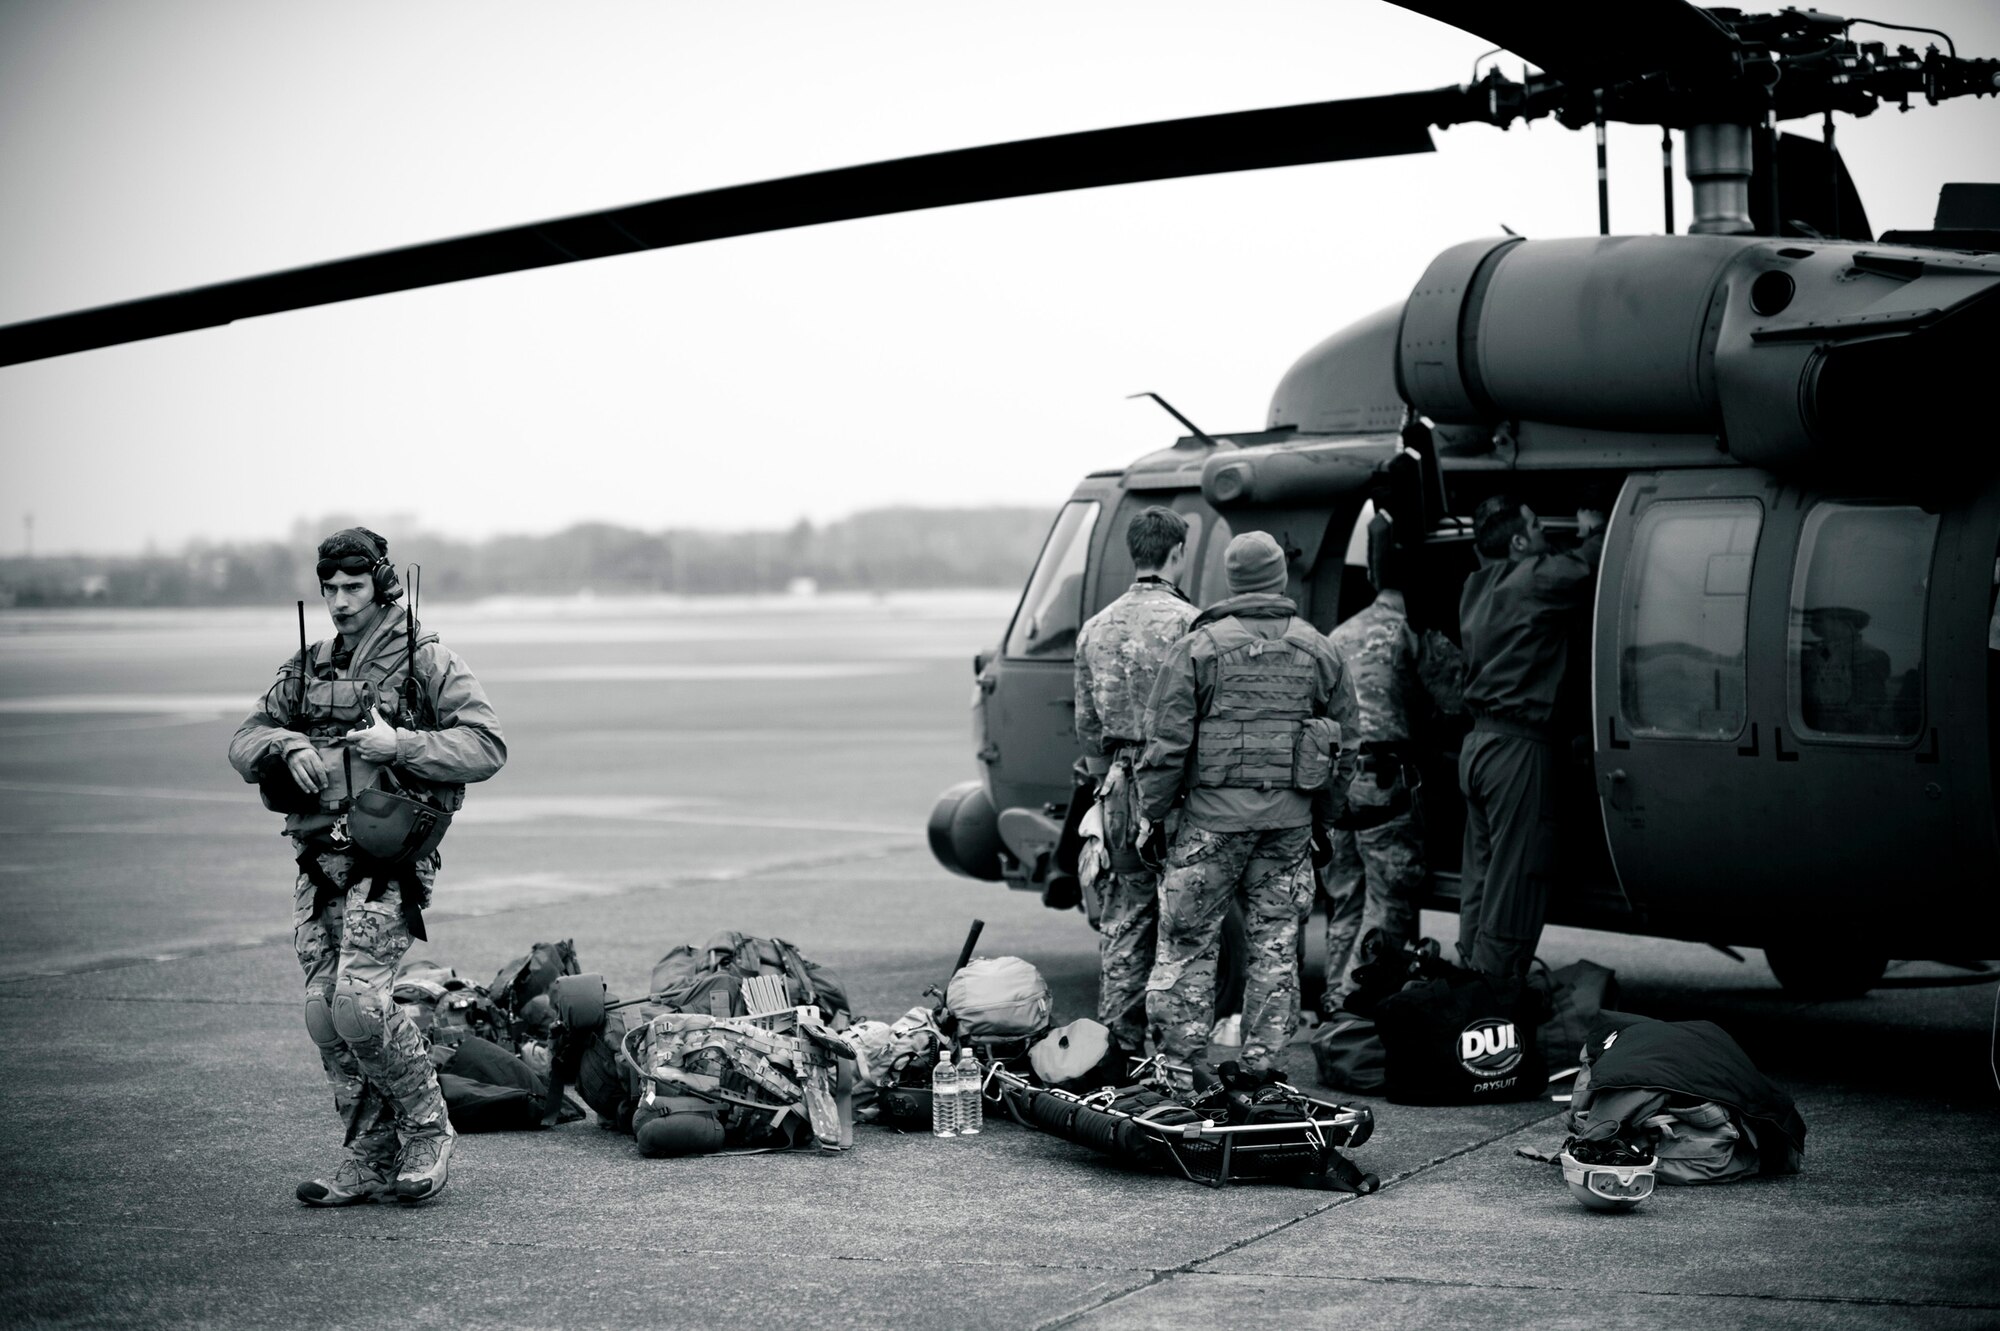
(1684, 619)
(1052, 610)
(1857, 622)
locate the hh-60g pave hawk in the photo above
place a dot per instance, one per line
(1788, 733)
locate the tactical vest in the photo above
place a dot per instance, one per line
(323, 708)
(1259, 731)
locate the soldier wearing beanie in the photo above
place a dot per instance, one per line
(1244, 730)
(369, 708)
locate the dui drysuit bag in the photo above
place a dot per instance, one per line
(998, 998)
(1462, 1039)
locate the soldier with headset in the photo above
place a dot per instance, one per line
(366, 743)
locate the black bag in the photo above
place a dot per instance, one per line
(1463, 1039)
(1348, 1051)
(1577, 994)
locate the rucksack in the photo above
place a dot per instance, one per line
(1462, 1039)
(520, 990)
(998, 998)
(709, 978)
(445, 1005)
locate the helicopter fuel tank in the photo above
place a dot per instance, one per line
(1789, 352)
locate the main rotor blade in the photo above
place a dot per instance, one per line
(1164, 150)
(1593, 44)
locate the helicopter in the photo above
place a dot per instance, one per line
(1791, 685)
(1720, 379)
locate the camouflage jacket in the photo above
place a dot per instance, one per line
(1118, 655)
(1400, 679)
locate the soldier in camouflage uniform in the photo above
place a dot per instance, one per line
(1118, 655)
(352, 918)
(1375, 879)
(1245, 721)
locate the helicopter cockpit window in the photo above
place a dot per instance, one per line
(1685, 616)
(1213, 584)
(1052, 610)
(1857, 622)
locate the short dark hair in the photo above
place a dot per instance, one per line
(1495, 524)
(1153, 536)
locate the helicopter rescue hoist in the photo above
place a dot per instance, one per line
(1787, 733)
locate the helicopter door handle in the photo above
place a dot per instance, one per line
(1618, 790)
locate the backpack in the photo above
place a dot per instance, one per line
(998, 998)
(709, 979)
(1462, 1039)
(445, 1005)
(520, 990)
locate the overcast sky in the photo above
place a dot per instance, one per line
(963, 356)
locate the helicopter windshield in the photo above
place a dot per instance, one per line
(1052, 610)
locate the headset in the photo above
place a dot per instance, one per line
(388, 587)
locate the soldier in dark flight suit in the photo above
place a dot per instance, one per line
(1514, 619)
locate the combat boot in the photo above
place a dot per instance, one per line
(426, 1160)
(359, 1179)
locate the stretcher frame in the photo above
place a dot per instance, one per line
(1237, 1150)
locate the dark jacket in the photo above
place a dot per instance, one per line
(1514, 622)
(1181, 697)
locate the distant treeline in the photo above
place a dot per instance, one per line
(879, 550)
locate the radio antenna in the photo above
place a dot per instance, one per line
(303, 664)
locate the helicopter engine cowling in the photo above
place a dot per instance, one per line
(1792, 353)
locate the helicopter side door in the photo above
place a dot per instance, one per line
(1759, 686)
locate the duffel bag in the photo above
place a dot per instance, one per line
(1348, 1052)
(1462, 1039)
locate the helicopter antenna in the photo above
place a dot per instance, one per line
(1603, 171)
(1199, 433)
(1667, 166)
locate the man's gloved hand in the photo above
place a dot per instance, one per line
(376, 743)
(307, 770)
(1588, 520)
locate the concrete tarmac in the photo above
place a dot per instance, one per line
(677, 770)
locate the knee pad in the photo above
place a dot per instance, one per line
(357, 1013)
(319, 1021)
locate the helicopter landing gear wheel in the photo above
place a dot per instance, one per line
(1809, 970)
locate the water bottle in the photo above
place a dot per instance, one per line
(971, 1103)
(944, 1096)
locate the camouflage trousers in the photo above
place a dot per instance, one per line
(1128, 923)
(352, 945)
(1375, 881)
(1270, 871)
